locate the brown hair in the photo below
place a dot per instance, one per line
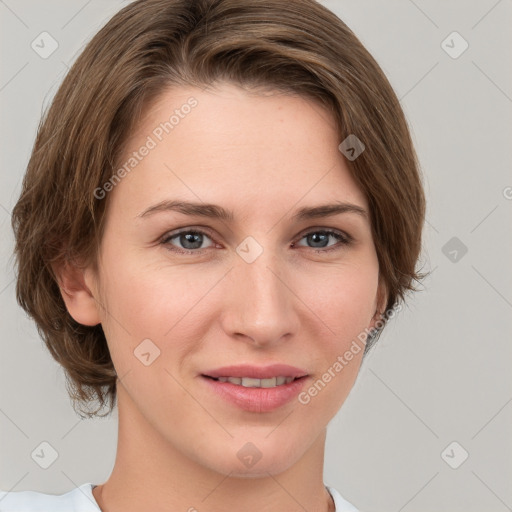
(297, 46)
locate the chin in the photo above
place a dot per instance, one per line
(256, 459)
(261, 469)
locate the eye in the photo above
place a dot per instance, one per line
(320, 239)
(190, 240)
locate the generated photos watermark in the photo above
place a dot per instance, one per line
(343, 360)
(157, 135)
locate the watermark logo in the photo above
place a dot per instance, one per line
(454, 455)
(249, 454)
(454, 45)
(249, 250)
(454, 249)
(146, 352)
(44, 455)
(44, 45)
(352, 147)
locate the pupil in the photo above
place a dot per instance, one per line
(315, 236)
(188, 238)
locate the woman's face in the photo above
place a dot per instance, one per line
(263, 288)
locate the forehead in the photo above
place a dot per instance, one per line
(229, 146)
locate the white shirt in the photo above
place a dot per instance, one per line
(81, 499)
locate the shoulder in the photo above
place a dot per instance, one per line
(79, 499)
(342, 505)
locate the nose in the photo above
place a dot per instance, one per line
(260, 306)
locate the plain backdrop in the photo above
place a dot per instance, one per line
(427, 425)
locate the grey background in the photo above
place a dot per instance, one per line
(440, 372)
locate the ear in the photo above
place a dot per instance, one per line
(380, 302)
(79, 299)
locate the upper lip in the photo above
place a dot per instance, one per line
(257, 372)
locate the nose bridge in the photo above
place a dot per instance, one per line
(262, 304)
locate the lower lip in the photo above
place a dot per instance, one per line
(256, 399)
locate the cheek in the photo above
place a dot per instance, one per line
(156, 302)
(344, 299)
(344, 304)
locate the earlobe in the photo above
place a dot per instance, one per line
(80, 301)
(381, 301)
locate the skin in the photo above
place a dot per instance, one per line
(262, 156)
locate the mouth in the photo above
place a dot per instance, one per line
(249, 382)
(255, 388)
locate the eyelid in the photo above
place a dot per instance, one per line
(344, 240)
(186, 229)
(203, 230)
(325, 229)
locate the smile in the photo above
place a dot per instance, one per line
(249, 382)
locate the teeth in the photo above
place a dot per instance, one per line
(248, 382)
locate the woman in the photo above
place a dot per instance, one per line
(222, 208)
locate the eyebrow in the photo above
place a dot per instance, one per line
(214, 211)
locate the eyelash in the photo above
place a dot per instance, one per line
(343, 238)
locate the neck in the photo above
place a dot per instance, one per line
(151, 474)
